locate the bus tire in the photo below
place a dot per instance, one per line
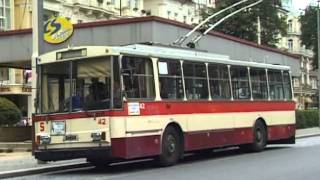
(260, 138)
(171, 148)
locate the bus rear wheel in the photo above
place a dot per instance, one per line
(260, 138)
(171, 149)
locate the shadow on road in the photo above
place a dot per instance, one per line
(147, 164)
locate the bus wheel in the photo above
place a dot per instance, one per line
(171, 147)
(259, 138)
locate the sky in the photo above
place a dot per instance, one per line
(302, 4)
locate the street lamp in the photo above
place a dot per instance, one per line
(318, 33)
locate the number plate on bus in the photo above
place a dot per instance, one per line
(58, 127)
(70, 137)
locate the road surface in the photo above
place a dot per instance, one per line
(278, 162)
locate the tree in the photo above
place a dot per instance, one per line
(9, 112)
(309, 31)
(244, 24)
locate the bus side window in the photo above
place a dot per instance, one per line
(240, 82)
(195, 76)
(275, 84)
(138, 77)
(259, 84)
(287, 85)
(170, 78)
(219, 81)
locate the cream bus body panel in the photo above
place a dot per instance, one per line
(134, 126)
(82, 128)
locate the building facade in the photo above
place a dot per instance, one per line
(17, 14)
(305, 86)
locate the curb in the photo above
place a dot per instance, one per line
(15, 147)
(307, 135)
(37, 170)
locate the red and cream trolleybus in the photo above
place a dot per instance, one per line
(137, 101)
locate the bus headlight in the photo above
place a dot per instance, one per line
(98, 136)
(45, 139)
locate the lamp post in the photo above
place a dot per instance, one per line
(318, 33)
(120, 8)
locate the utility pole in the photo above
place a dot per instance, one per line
(259, 30)
(318, 33)
(120, 8)
(37, 45)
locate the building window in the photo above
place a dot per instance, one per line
(175, 16)
(296, 82)
(290, 45)
(5, 15)
(170, 78)
(4, 74)
(184, 19)
(314, 83)
(138, 77)
(47, 14)
(290, 29)
(302, 78)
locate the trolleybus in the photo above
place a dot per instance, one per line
(107, 103)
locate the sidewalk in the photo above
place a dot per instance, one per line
(15, 147)
(19, 162)
(309, 132)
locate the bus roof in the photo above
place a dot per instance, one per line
(168, 52)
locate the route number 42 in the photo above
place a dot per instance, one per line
(102, 121)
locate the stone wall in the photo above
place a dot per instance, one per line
(15, 134)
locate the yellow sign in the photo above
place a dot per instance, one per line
(57, 30)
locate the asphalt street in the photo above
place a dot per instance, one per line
(277, 162)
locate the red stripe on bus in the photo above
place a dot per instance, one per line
(167, 108)
(144, 146)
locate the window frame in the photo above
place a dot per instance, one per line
(182, 79)
(40, 90)
(228, 81)
(282, 83)
(206, 79)
(149, 58)
(248, 80)
(266, 83)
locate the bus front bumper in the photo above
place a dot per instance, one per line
(74, 153)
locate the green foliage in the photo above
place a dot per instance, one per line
(309, 31)
(244, 24)
(9, 112)
(307, 119)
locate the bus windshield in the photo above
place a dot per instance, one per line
(76, 85)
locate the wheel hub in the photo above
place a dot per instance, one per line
(171, 144)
